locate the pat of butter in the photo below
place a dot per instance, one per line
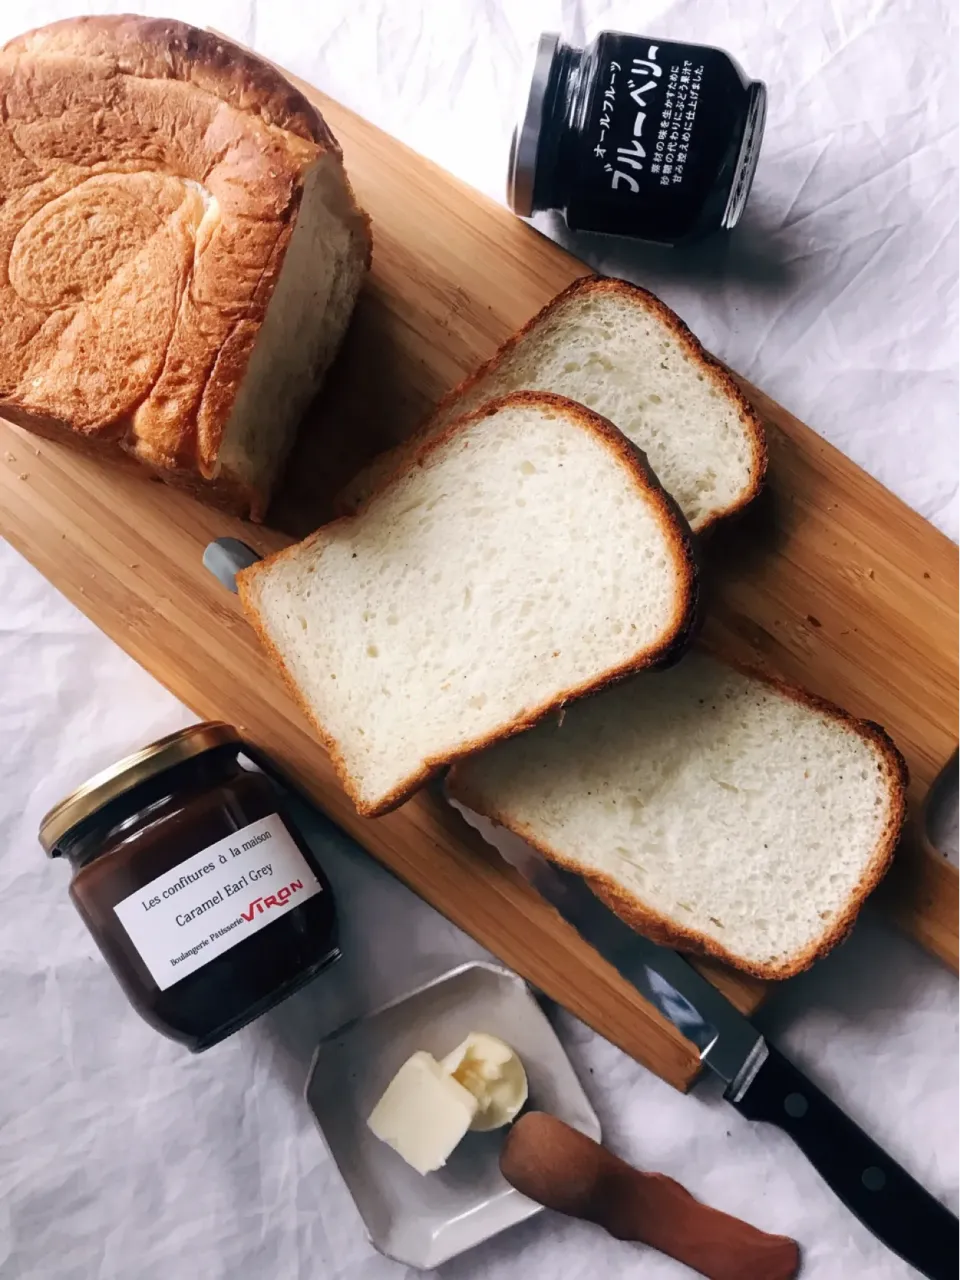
(493, 1073)
(423, 1113)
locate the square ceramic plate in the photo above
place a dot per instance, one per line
(423, 1221)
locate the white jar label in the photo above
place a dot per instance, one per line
(222, 895)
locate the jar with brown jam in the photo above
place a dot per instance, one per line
(635, 136)
(202, 896)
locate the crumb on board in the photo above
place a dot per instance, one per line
(24, 475)
(10, 457)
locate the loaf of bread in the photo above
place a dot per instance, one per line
(713, 810)
(526, 555)
(181, 250)
(621, 352)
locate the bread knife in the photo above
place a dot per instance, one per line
(761, 1083)
(758, 1080)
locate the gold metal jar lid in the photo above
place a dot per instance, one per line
(130, 772)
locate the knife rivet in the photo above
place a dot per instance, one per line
(795, 1105)
(873, 1179)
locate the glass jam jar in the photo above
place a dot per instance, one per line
(637, 137)
(205, 901)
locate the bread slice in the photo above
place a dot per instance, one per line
(183, 251)
(620, 351)
(713, 810)
(525, 556)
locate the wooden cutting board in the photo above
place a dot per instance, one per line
(829, 581)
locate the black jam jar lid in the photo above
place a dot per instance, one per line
(122, 777)
(526, 136)
(749, 155)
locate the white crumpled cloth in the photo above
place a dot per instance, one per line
(124, 1158)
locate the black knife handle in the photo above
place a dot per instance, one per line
(899, 1212)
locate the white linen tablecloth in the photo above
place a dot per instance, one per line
(124, 1158)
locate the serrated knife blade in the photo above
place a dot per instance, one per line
(727, 1043)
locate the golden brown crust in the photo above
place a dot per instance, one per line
(676, 634)
(151, 175)
(668, 932)
(163, 48)
(585, 285)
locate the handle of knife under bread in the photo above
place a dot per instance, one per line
(886, 1199)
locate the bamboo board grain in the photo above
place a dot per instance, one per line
(829, 581)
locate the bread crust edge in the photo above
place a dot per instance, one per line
(677, 633)
(587, 284)
(661, 929)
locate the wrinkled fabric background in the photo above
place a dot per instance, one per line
(124, 1158)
